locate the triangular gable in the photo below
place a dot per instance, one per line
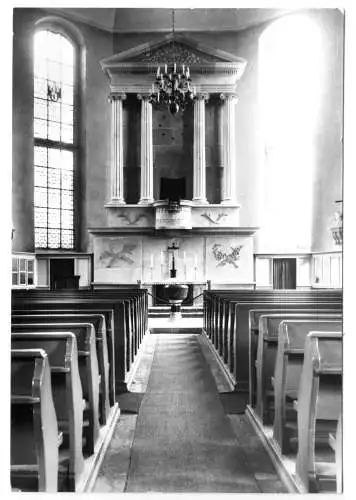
(186, 50)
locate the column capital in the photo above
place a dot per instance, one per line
(116, 96)
(228, 96)
(143, 97)
(202, 96)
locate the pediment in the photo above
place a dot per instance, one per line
(134, 70)
(182, 49)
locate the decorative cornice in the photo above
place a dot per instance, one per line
(139, 68)
(207, 231)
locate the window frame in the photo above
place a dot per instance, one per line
(57, 28)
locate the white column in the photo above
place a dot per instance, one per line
(229, 163)
(117, 159)
(146, 197)
(199, 175)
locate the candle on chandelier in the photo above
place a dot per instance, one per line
(158, 70)
(175, 67)
(165, 68)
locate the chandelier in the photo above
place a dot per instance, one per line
(172, 87)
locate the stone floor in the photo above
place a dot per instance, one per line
(183, 325)
(124, 468)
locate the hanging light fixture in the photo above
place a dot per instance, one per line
(173, 86)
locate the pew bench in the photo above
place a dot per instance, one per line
(98, 322)
(319, 408)
(34, 431)
(88, 369)
(117, 302)
(230, 335)
(61, 349)
(254, 317)
(267, 354)
(53, 308)
(288, 371)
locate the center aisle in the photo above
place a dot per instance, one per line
(183, 439)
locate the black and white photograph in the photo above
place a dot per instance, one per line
(175, 271)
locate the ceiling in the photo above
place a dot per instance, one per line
(130, 20)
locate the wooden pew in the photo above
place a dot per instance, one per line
(212, 298)
(237, 339)
(98, 322)
(88, 369)
(288, 371)
(97, 299)
(61, 349)
(254, 316)
(54, 308)
(238, 333)
(115, 315)
(267, 353)
(34, 431)
(319, 408)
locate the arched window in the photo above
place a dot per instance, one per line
(55, 139)
(290, 86)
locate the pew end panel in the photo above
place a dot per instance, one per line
(61, 348)
(288, 371)
(88, 368)
(36, 438)
(319, 408)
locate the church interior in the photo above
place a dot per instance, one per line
(177, 250)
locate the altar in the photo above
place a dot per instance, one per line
(173, 177)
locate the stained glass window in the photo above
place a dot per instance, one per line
(54, 139)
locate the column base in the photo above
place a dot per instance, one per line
(146, 201)
(200, 201)
(117, 201)
(228, 201)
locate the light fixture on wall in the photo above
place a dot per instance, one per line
(173, 85)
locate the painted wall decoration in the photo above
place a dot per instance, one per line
(224, 257)
(229, 259)
(118, 252)
(214, 218)
(134, 219)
